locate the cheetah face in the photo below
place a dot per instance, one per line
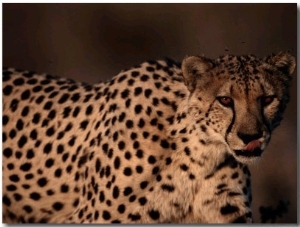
(240, 99)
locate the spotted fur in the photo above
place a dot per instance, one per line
(158, 143)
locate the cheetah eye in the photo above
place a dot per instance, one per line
(225, 101)
(266, 100)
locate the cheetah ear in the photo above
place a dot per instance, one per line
(193, 68)
(283, 61)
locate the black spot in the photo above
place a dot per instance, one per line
(106, 215)
(134, 217)
(11, 187)
(138, 109)
(101, 197)
(154, 214)
(155, 138)
(167, 187)
(115, 192)
(139, 169)
(235, 175)
(75, 97)
(28, 209)
(47, 148)
(155, 170)
(184, 167)
(42, 182)
(35, 196)
(12, 133)
(66, 112)
(57, 206)
(144, 78)
(122, 78)
(17, 197)
(19, 81)
(229, 209)
(125, 93)
(49, 89)
(157, 85)
(52, 114)
(140, 153)
(50, 131)
(136, 145)
(138, 91)
(45, 82)
(10, 166)
(127, 171)
(158, 178)
(63, 98)
(18, 154)
(64, 188)
(5, 119)
(25, 111)
(155, 101)
(7, 90)
(7, 152)
(117, 162)
(25, 186)
(14, 105)
(72, 141)
(129, 124)
(40, 99)
(28, 176)
(37, 88)
(89, 110)
(142, 201)
(147, 93)
(132, 198)
(48, 105)
(49, 162)
(151, 159)
(121, 145)
(14, 178)
(133, 135)
(127, 155)
(121, 208)
(164, 144)
(130, 82)
(168, 161)
(145, 135)
(143, 184)
(36, 118)
(135, 74)
(22, 141)
(25, 95)
(122, 117)
(4, 137)
(116, 221)
(25, 167)
(203, 128)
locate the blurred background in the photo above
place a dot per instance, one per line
(93, 42)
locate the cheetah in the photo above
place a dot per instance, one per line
(161, 142)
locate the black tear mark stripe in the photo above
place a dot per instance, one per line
(154, 214)
(231, 123)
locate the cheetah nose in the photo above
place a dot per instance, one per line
(253, 145)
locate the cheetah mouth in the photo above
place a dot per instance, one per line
(246, 153)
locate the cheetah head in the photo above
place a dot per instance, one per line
(241, 98)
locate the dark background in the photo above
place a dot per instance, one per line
(93, 42)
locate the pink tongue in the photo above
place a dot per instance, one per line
(253, 145)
